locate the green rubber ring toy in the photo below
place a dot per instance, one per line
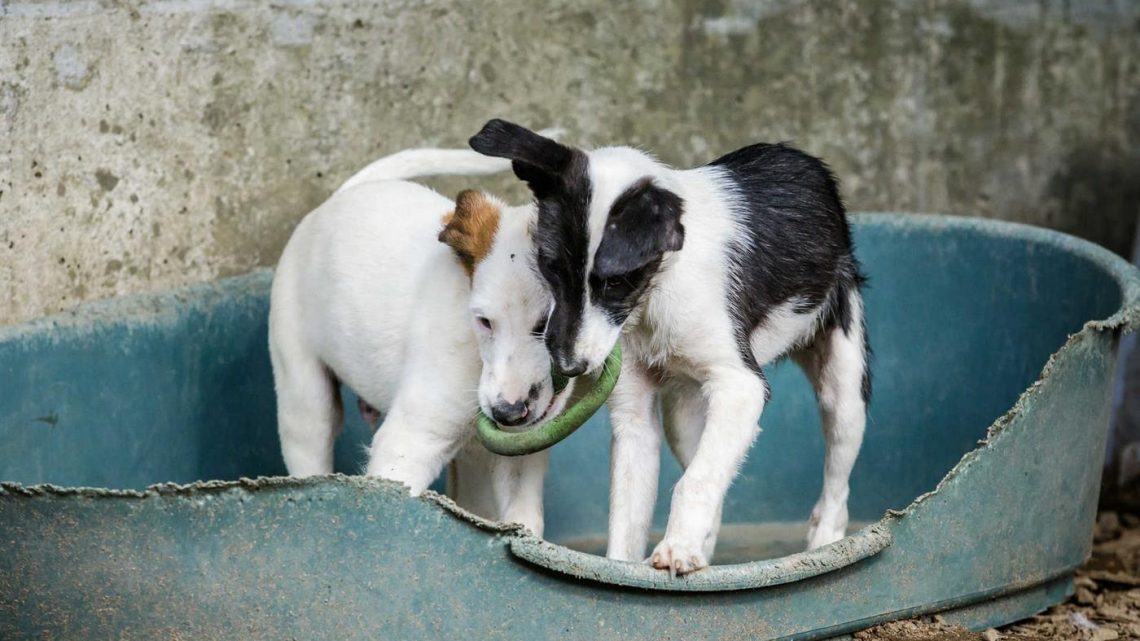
(559, 427)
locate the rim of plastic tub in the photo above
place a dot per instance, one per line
(1127, 276)
(876, 537)
(153, 307)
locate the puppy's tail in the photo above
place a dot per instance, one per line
(418, 163)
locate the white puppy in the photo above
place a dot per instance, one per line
(368, 295)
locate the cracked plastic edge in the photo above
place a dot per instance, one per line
(260, 484)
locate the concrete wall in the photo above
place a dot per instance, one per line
(148, 144)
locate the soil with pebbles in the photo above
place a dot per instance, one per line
(1105, 605)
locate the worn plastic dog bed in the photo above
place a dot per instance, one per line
(978, 479)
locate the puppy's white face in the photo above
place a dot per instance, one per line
(603, 229)
(509, 308)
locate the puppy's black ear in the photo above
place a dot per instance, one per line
(507, 140)
(644, 223)
(539, 181)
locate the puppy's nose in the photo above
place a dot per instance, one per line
(572, 369)
(510, 414)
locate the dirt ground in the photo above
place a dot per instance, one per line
(1104, 607)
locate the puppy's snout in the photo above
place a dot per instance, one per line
(510, 414)
(572, 368)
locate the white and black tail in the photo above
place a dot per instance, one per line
(418, 163)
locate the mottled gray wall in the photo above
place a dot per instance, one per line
(148, 144)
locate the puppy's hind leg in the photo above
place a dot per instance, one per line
(309, 413)
(836, 363)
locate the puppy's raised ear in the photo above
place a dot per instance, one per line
(470, 230)
(643, 224)
(508, 140)
(536, 159)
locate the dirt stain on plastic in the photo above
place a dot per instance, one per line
(51, 420)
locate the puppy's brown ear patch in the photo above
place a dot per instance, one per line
(470, 230)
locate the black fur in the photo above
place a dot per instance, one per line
(799, 245)
(865, 388)
(507, 140)
(562, 243)
(643, 224)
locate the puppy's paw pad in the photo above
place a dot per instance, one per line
(679, 559)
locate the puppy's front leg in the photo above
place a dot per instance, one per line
(419, 435)
(635, 454)
(735, 402)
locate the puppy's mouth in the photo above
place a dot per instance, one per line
(595, 370)
(557, 404)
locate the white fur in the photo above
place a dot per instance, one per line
(680, 343)
(366, 295)
(835, 367)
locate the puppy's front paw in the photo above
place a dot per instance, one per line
(820, 536)
(827, 525)
(678, 557)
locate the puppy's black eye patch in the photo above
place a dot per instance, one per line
(644, 223)
(616, 287)
(539, 329)
(612, 286)
(618, 294)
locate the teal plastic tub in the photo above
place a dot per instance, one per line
(130, 430)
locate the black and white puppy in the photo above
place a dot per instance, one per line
(706, 275)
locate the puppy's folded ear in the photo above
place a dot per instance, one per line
(470, 230)
(507, 140)
(644, 223)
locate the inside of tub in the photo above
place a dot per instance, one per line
(178, 388)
